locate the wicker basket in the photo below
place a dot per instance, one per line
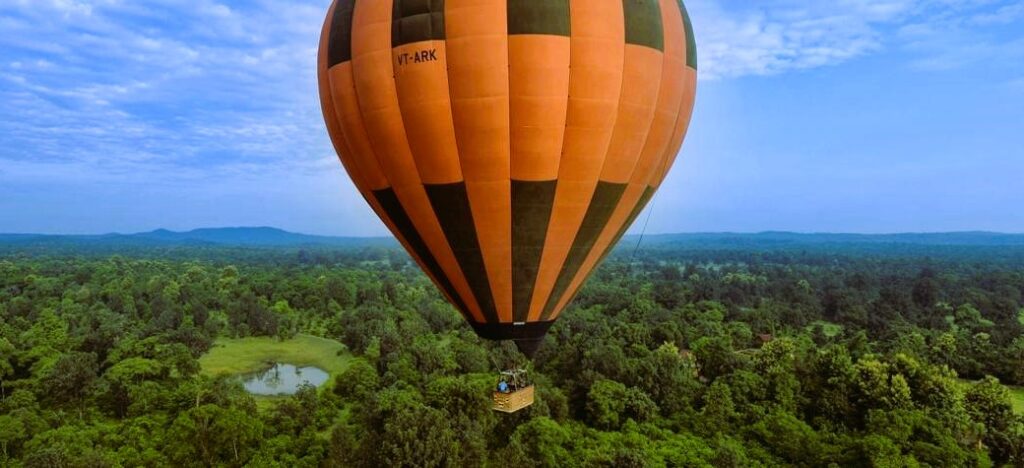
(514, 401)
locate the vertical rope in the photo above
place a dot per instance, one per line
(650, 211)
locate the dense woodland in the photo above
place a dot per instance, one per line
(673, 355)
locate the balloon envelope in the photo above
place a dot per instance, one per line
(508, 144)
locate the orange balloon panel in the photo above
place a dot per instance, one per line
(508, 144)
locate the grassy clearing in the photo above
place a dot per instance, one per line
(245, 355)
(1016, 395)
(1018, 399)
(830, 329)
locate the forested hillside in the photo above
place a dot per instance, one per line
(680, 354)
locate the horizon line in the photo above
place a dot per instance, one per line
(389, 236)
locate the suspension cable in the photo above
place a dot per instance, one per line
(650, 211)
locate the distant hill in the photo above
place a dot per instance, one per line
(964, 239)
(265, 236)
(234, 236)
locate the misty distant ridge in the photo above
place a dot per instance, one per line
(229, 236)
(967, 238)
(274, 237)
(252, 236)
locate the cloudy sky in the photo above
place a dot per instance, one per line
(838, 116)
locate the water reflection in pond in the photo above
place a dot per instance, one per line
(283, 379)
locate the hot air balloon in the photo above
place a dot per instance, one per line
(507, 144)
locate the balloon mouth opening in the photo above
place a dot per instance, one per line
(528, 336)
(530, 347)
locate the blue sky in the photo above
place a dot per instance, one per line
(837, 116)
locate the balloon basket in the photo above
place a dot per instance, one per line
(514, 391)
(513, 401)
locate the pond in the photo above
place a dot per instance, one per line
(283, 379)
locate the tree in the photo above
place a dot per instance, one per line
(214, 435)
(716, 356)
(776, 361)
(72, 378)
(610, 404)
(194, 437)
(878, 450)
(49, 333)
(337, 289)
(6, 364)
(125, 375)
(293, 416)
(789, 437)
(878, 386)
(408, 433)
(11, 430)
(927, 291)
(989, 403)
(719, 412)
(540, 442)
(287, 320)
(673, 385)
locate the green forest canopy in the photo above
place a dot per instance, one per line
(683, 353)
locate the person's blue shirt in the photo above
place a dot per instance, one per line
(503, 387)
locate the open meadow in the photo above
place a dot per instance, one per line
(234, 356)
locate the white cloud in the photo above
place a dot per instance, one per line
(173, 83)
(775, 36)
(772, 37)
